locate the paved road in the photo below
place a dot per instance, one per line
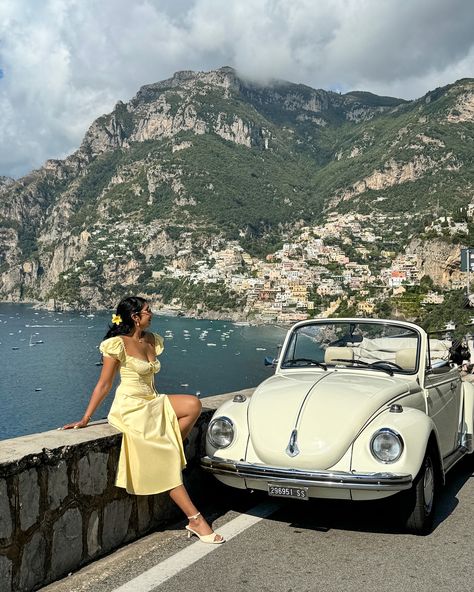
(299, 547)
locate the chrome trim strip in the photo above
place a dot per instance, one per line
(292, 448)
(337, 479)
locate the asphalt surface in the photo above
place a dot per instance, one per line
(304, 546)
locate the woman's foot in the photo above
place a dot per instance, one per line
(198, 526)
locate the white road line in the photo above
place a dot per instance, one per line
(165, 570)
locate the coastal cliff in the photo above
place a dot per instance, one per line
(199, 177)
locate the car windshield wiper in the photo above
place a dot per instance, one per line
(372, 365)
(310, 361)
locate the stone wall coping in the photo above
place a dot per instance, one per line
(15, 449)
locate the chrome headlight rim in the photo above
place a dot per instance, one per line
(226, 420)
(393, 433)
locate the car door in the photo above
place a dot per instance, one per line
(443, 392)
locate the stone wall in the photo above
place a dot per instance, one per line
(60, 509)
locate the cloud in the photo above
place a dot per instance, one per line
(65, 62)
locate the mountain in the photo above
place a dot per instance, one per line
(203, 160)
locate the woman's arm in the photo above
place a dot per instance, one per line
(101, 390)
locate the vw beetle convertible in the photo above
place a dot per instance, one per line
(358, 409)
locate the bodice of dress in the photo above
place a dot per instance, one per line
(136, 375)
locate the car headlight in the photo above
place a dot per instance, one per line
(221, 432)
(386, 445)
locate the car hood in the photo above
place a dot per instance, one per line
(327, 410)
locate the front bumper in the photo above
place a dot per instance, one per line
(297, 477)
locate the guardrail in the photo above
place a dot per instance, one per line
(60, 509)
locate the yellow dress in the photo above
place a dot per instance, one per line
(152, 455)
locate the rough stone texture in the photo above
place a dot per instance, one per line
(66, 551)
(92, 473)
(163, 506)
(143, 512)
(116, 518)
(93, 534)
(5, 573)
(192, 444)
(59, 538)
(5, 516)
(29, 494)
(438, 259)
(32, 563)
(57, 485)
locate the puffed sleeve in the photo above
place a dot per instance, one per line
(113, 348)
(159, 343)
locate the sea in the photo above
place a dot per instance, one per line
(50, 362)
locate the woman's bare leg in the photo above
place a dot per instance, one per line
(181, 498)
(187, 409)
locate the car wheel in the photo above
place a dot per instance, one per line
(418, 504)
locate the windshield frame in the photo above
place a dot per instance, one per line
(403, 326)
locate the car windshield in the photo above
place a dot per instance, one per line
(380, 346)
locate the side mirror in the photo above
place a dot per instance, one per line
(268, 361)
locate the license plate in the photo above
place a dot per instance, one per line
(300, 493)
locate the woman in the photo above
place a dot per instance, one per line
(153, 425)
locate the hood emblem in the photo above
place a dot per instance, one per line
(292, 448)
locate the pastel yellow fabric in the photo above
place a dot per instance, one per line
(152, 455)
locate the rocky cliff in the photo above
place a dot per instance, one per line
(204, 158)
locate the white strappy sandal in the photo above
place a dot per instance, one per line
(205, 538)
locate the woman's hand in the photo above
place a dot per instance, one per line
(76, 425)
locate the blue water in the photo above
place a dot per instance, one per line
(48, 384)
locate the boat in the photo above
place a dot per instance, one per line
(15, 348)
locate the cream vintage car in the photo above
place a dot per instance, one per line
(358, 409)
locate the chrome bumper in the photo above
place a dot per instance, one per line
(336, 479)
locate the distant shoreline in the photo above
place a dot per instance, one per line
(231, 317)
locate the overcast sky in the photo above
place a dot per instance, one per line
(65, 62)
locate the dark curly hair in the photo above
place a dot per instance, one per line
(126, 308)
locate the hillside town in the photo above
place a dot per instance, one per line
(313, 275)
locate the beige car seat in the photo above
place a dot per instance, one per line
(406, 358)
(332, 354)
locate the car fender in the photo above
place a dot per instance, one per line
(417, 431)
(237, 413)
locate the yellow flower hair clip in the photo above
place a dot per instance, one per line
(116, 319)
